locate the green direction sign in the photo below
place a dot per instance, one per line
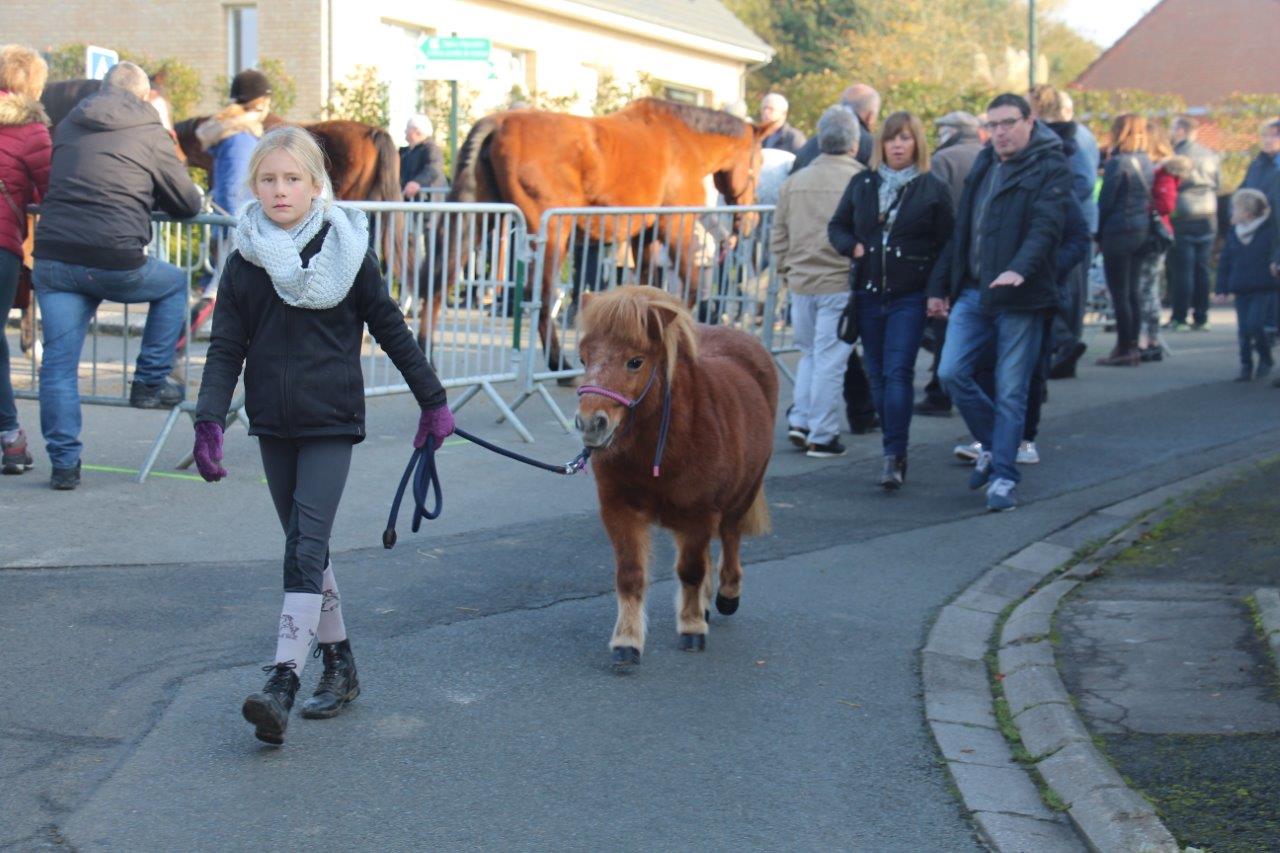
(455, 48)
(453, 58)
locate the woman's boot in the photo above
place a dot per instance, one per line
(894, 474)
(269, 710)
(338, 685)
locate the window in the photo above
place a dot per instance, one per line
(242, 38)
(680, 94)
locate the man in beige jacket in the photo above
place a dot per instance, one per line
(818, 279)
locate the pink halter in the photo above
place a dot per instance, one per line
(622, 399)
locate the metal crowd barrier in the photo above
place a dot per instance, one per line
(483, 269)
(716, 258)
(112, 343)
(469, 260)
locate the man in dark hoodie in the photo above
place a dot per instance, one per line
(112, 164)
(1055, 108)
(996, 280)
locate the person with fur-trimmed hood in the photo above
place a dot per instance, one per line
(230, 135)
(25, 154)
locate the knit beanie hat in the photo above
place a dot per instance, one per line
(249, 85)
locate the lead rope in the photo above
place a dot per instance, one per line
(421, 470)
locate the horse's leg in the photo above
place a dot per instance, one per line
(730, 591)
(557, 249)
(693, 568)
(629, 532)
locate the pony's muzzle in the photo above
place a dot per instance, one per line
(596, 428)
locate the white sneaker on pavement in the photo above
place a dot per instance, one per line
(968, 452)
(1027, 453)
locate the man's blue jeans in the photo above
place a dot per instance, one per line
(68, 295)
(1189, 277)
(1017, 335)
(891, 333)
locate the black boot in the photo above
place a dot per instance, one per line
(337, 686)
(894, 474)
(269, 710)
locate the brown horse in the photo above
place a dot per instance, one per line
(651, 153)
(362, 161)
(710, 393)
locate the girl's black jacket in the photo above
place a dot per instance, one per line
(302, 373)
(920, 231)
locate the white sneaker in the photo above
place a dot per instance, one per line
(1027, 453)
(1002, 495)
(968, 452)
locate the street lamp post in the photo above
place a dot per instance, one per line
(1031, 43)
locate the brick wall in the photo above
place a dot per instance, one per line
(193, 31)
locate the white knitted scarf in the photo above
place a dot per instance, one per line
(1245, 231)
(333, 269)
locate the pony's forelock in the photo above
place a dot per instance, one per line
(626, 314)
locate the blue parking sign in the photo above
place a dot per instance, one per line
(98, 61)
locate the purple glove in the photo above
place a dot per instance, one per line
(437, 423)
(208, 451)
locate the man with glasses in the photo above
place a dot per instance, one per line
(995, 280)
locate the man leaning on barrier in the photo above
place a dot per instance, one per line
(112, 164)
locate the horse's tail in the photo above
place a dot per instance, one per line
(756, 521)
(386, 181)
(473, 178)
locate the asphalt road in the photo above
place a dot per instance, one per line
(489, 718)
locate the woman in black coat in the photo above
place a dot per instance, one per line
(1124, 217)
(892, 222)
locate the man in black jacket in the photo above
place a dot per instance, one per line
(113, 163)
(996, 281)
(864, 102)
(1195, 225)
(421, 161)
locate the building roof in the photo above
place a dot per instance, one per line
(1203, 50)
(708, 22)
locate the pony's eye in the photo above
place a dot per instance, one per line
(635, 363)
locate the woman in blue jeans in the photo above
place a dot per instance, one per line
(893, 222)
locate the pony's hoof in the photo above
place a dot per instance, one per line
(625, 657)
(693, 642)
(727, 606)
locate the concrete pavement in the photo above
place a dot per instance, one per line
(489, 719)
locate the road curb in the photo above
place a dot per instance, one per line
(1001, 794)
(1268, 600)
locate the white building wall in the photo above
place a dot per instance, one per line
(558, 57)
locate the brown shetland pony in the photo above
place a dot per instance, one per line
(362, 161)
(651, 153)
(638, 344)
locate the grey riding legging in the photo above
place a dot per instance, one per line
(306, 477)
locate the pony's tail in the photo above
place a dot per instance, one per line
(387, 167)
(756, 521)
(473, 170)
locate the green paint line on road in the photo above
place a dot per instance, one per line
(107, 469)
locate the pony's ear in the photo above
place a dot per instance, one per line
(587, 296)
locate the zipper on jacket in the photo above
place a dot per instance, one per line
(284, 374)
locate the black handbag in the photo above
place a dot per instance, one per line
(847, 325)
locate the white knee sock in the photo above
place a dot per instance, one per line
(332, 629)
(298, 621)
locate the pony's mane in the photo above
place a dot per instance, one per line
(701, 119)
(632, 313)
